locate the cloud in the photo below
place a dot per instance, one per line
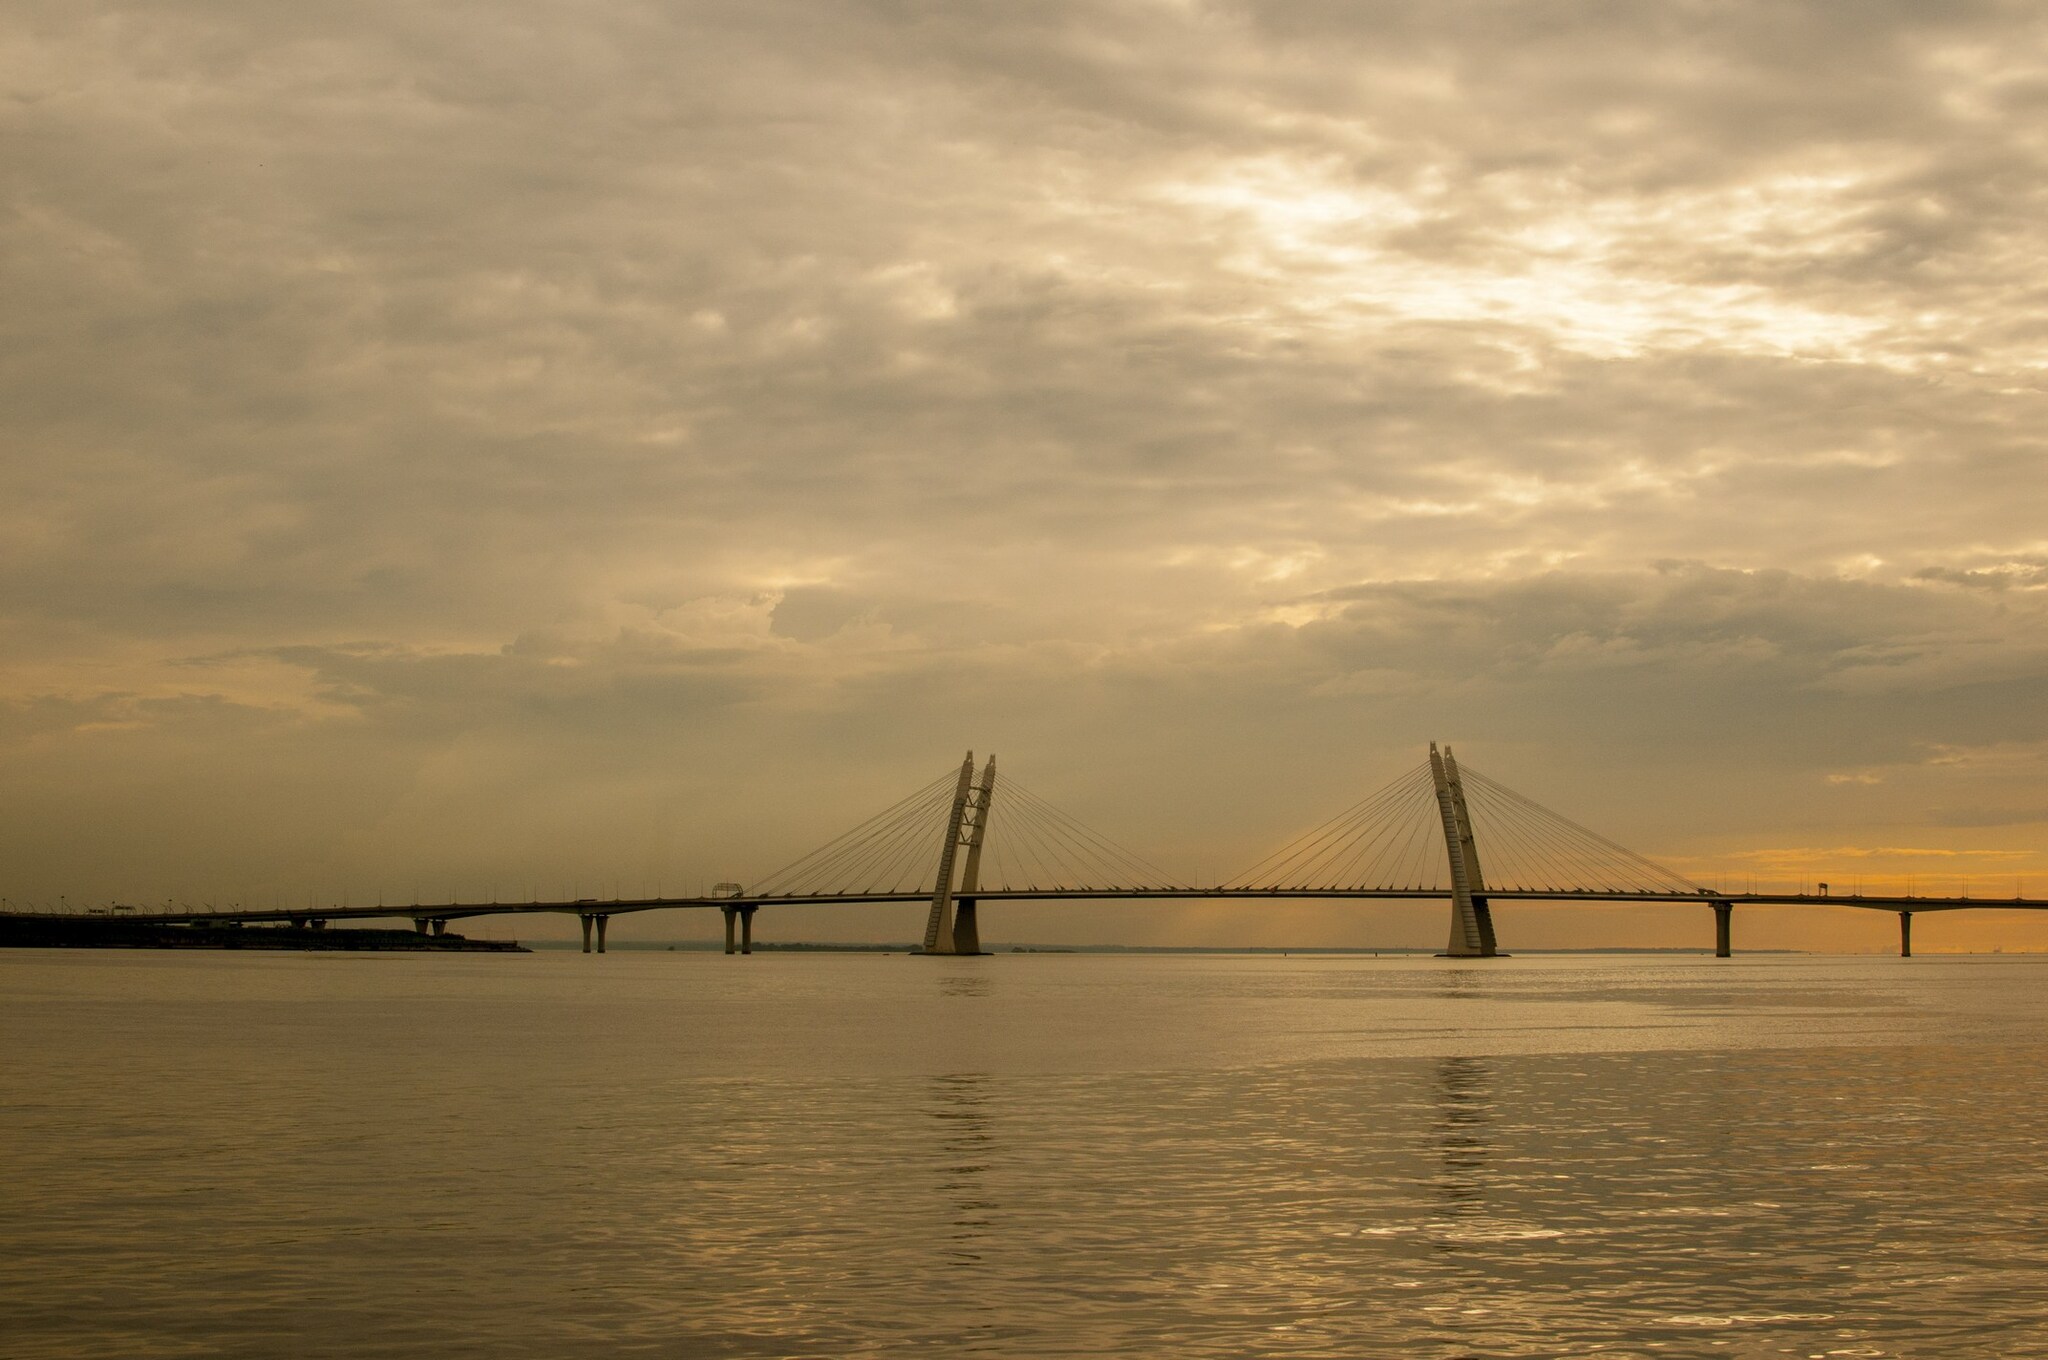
(1160, 386)
(2029, 574)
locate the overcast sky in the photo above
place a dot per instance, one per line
(595, 447)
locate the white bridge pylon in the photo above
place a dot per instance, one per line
(1418, 835)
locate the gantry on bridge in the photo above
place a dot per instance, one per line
(967, 838)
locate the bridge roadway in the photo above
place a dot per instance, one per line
(434, 916)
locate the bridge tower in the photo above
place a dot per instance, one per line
(966, 919)
(1471, 914)
(947, 931)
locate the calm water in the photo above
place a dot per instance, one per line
(1049, 1155)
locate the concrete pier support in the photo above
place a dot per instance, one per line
(586, 919)
(1724, 913)
(1905, 934)
(746, 930)
(731, 916)
(438, 926)
(966, 926)
(419, 924)
(602, 922)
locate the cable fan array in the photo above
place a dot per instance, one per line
(1393, 838)
(1029, 846)
(1390, 841)
(1393, 841)
(1523, 844)
(1032, 846)
(896, 850)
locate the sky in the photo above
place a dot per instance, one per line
(613, 447)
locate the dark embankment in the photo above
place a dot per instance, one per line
(111, 932)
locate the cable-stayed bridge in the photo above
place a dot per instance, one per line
(968, 837)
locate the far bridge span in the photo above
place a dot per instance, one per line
(1417, 838)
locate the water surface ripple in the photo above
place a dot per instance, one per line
(684, 1155)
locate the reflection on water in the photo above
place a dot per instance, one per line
(965, 984)
(1463, 1112)
(1225, 1159)
(1459, 984)
(960, 1104)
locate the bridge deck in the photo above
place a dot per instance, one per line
(451, 911)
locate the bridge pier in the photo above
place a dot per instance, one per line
(1724, 912)
(744, 918)
(586, 918)
(419, 925)
(1905, 934)
(966, 926)
(438, 926)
